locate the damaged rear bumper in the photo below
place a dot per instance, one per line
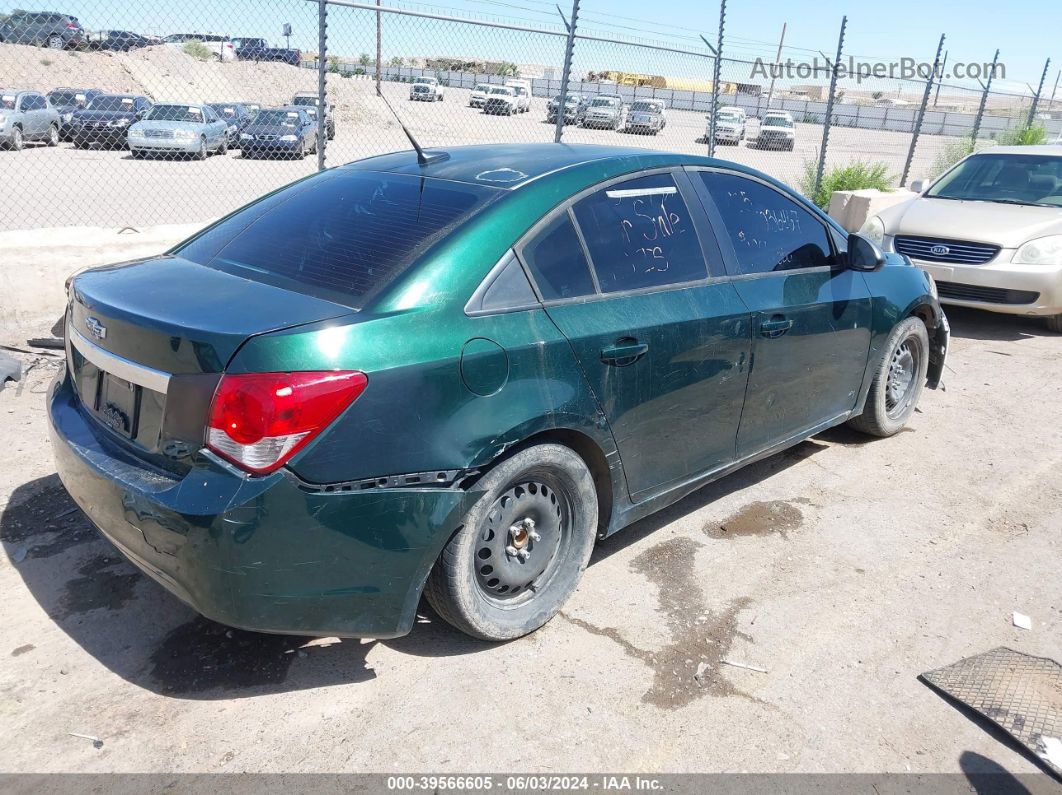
(266, 553)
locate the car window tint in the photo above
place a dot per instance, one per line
(508, 289)
(341, 236)
(769, 231)
(557, 262)
(639, 234)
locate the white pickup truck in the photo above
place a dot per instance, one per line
(513, 97)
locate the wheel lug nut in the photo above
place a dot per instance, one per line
(510, 551)
(523, 554)
(535, 536)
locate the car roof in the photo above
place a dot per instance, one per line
(1050, 150)
(513, 165)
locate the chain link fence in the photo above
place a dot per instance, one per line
(133, 116)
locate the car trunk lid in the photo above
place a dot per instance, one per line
(148, 340)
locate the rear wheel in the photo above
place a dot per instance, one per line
(898, 382)
(1054, 323)
(56, 42)
(522, 548)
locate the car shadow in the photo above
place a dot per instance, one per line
(741, 479)
(131, 625)
(979, 324)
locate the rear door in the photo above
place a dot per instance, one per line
(811, 317)
(663, 342)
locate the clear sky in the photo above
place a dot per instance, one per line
(1026, 31)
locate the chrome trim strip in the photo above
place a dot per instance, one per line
(118, 366)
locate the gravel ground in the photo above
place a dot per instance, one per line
(46, 187)
(845, 567)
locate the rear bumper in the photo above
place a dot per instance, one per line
(999, 286)
(264, 554)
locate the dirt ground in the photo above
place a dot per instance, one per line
(845, 567)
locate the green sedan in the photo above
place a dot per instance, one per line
(448, 375)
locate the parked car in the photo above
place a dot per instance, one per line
(260, 50)
(574, 108)
(730, 124)
(777, 131)
(43, 28)
(280, 131)
(646, 116)
(478, 95)
(455, 376)
(503, 101)
(604, 111)
(236, 117)
(251, 107)
(67, 101)
(106, 120)
(27, 116)
(119, 41)
(218, 43)
(173, 129)
(426, 89)
(312, 101)
(989, 231)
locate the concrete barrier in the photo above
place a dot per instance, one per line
(37, 262)
(851, 208)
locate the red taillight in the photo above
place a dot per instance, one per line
(259, 421)
(71, 26)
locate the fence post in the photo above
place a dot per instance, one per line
(921, 114)
(984, 99)
(322, 72)
(829, 107)
(1036, 96)
(562, 100)
(715, 78)
(379, 37)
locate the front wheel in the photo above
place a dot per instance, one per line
(522, 547)
(17, 141)
(898, 382)
(1054, 323)
(223, 147)
(56, 43)
(53, 135)
(201, 154)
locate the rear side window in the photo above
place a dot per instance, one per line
(769, 231)
(340, 236)
(640, 234)
(555, 258)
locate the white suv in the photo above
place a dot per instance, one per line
(426, 89)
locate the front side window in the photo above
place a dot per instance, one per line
(556, 261)
(769, 231)
(339, 236)
(639, 234)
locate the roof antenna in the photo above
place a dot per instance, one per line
(422, 158)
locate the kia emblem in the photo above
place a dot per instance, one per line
(940, 251)
(96, 329)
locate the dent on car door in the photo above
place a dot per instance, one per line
(665, 348)
(811, 317)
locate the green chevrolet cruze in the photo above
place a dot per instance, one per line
(448, 375)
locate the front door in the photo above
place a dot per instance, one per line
(810, 318)
(664, 347)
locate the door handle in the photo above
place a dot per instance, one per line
(775, 327)
(624, 352)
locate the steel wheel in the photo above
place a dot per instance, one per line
(53, 136)
(17, 141)
(518, 546)
(903, 369)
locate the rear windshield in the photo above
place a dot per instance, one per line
(274, 118)
(339, 236)
(67, 97)
(305, 101)
(226, 111)
(113, 103)
(645, 107)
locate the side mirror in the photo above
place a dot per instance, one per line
(863, 255)
(919, 185)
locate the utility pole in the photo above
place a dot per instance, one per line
(777, 64)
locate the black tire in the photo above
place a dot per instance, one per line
(898, 382)
(55, 42)
(223, 147)
(203, 152)
(1054, 323)
(469, 587)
